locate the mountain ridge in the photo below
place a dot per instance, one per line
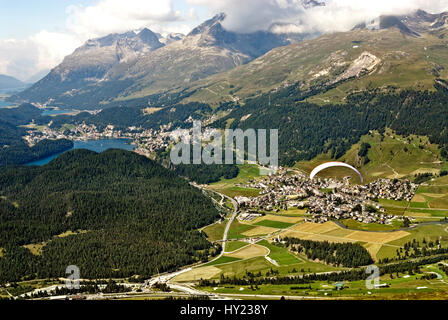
(413, 24)
(211, 56)
(9, 82)
(345, 61)
(129, 68)
(90, 63)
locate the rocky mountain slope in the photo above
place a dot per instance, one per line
(171, 37)
(212, 64)
(135, 65)
(414, 24)
(90, 64)
(412, 54)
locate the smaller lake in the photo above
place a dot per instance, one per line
(5, 104)
(54, 112)
(93, 145)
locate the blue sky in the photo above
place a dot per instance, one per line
(20, 19)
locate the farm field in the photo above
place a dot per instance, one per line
(255, 264)
(261, 226)
(331, 232)
(379, 244)
(235, 245)
(238, 229)
(241, 257)
(402, 286)
(428, 232)
(432, 195)
(222, 260)
(430, 202)
(274, 224)
(353, 224)
(207, 272)
(293, 212)
(280, 255)
(215, 231)
(229, 188)
(249, 252)
(279, 218)
(260, 231)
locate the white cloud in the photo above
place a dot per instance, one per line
(253, 15)
(337, 15)
(110, 16)
(44, 50)
(289, 28)
(17, 58)
(53, 47)
(342, 15)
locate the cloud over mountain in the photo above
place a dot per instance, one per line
(310, 15)
(116, 16)
(45, 49)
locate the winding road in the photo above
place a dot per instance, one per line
(232, 218)
(167, 277)
(229, 224)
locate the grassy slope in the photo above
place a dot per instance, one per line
(235, 245)
(393, 157)
(435, 194)
(428, 232)
(215, 231)
(281, 255)
(229, 188)
(401, 286)
(406, 62)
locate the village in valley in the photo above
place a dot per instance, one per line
(147, 141)
(324, 199)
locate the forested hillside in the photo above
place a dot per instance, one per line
(21, 115)
(18, 152)
(13, 149)
(125, 116)
(129, 215)
(307, 130)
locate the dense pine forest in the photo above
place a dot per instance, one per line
(130, 115)
(129, 215)
(199, 173)
(349, 255)
(18, 152)
(307, 130)
(206, 174)
(13, 149)
(22, 115)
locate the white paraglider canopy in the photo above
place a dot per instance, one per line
(334, 164)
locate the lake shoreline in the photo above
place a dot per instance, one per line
(99, 146)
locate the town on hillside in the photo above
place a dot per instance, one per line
(325, 199)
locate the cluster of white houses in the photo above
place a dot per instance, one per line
(149, 140)
(325, 199)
